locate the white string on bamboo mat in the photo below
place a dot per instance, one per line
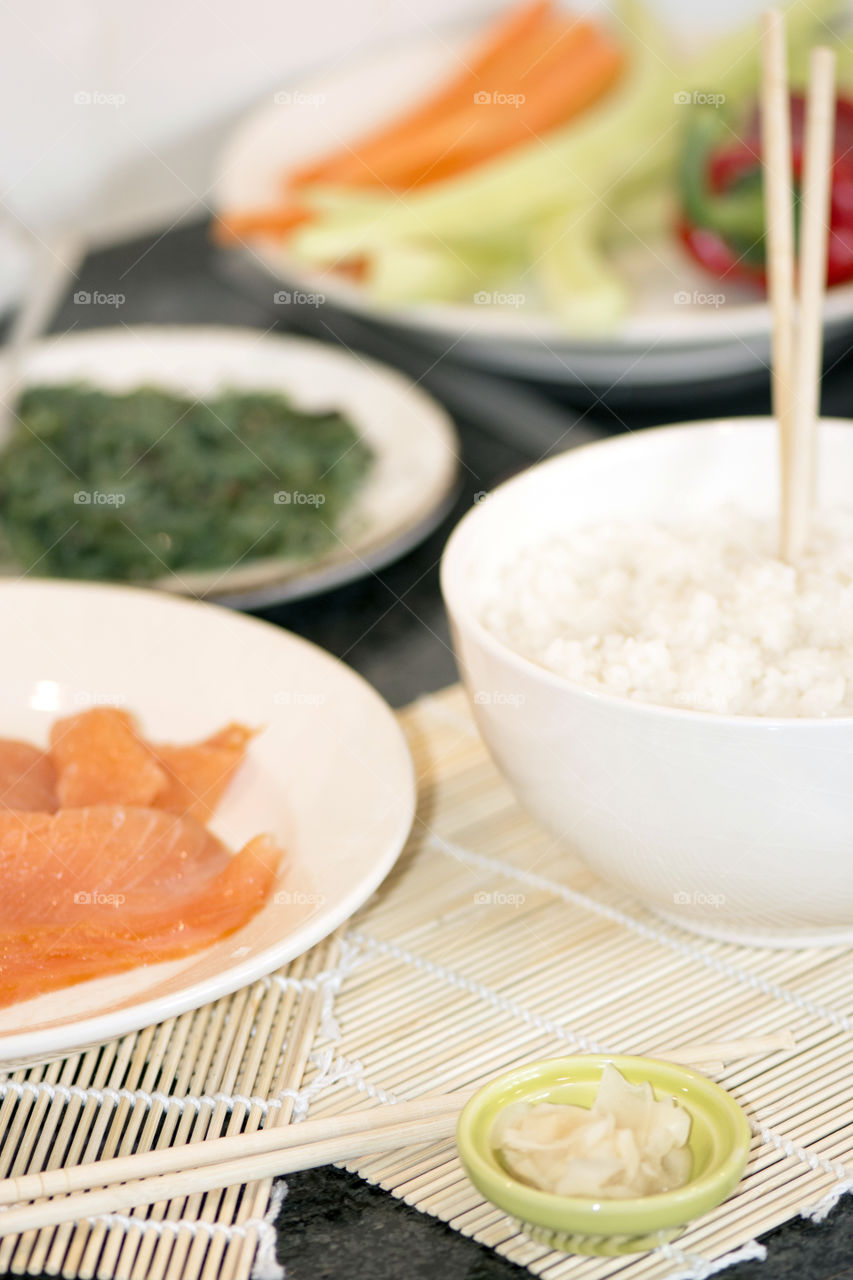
(328, 982)
(688, 950)
(817, 1212)
(794, 1152)
(696, 1268)
(493, 998)
(168, 1226)
(266, 1264)
(301, 1098)
(783, 1145)
(67, 1092)
(351, 1073)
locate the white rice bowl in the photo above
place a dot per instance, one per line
(659, 690)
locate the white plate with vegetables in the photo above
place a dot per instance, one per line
(556, 196)
(225, 463)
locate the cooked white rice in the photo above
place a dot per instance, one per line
(698, 615)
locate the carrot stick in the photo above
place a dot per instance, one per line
(562, 94)
(229, 228)
(508, 37)
(562, 68)
(413, 150)
(574, 70)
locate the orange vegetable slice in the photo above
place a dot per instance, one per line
(240, 224)
(501, 48)
(570, 65)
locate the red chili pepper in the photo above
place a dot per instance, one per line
(717, 256)
(719, 226)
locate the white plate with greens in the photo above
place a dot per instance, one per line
(679, 324)
(208, 486)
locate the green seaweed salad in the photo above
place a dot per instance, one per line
(98, 484)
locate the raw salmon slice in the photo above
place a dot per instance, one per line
(199, 773)
(66, 868)
(99, 759)
(88, 892)
(27, 777)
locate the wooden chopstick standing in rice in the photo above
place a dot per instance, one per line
(816, 189)
(797, 338)
(779, 236)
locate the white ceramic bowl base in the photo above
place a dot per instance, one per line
(736, 827)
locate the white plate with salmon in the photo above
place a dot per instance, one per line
(189, 799)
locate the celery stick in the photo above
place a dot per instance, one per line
(641, 212)
(577, 281)
(413, 271)
(404, 271)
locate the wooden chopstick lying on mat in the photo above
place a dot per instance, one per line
(719, 1052)
(171, 1172)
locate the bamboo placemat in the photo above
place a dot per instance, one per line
(491, 945)
(487, 946)
(226, 1068)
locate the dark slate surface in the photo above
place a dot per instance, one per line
(391, 628)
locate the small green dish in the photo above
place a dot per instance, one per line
(719, 1143)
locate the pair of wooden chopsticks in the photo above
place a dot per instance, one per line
(174, 1172)
(797, 335)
